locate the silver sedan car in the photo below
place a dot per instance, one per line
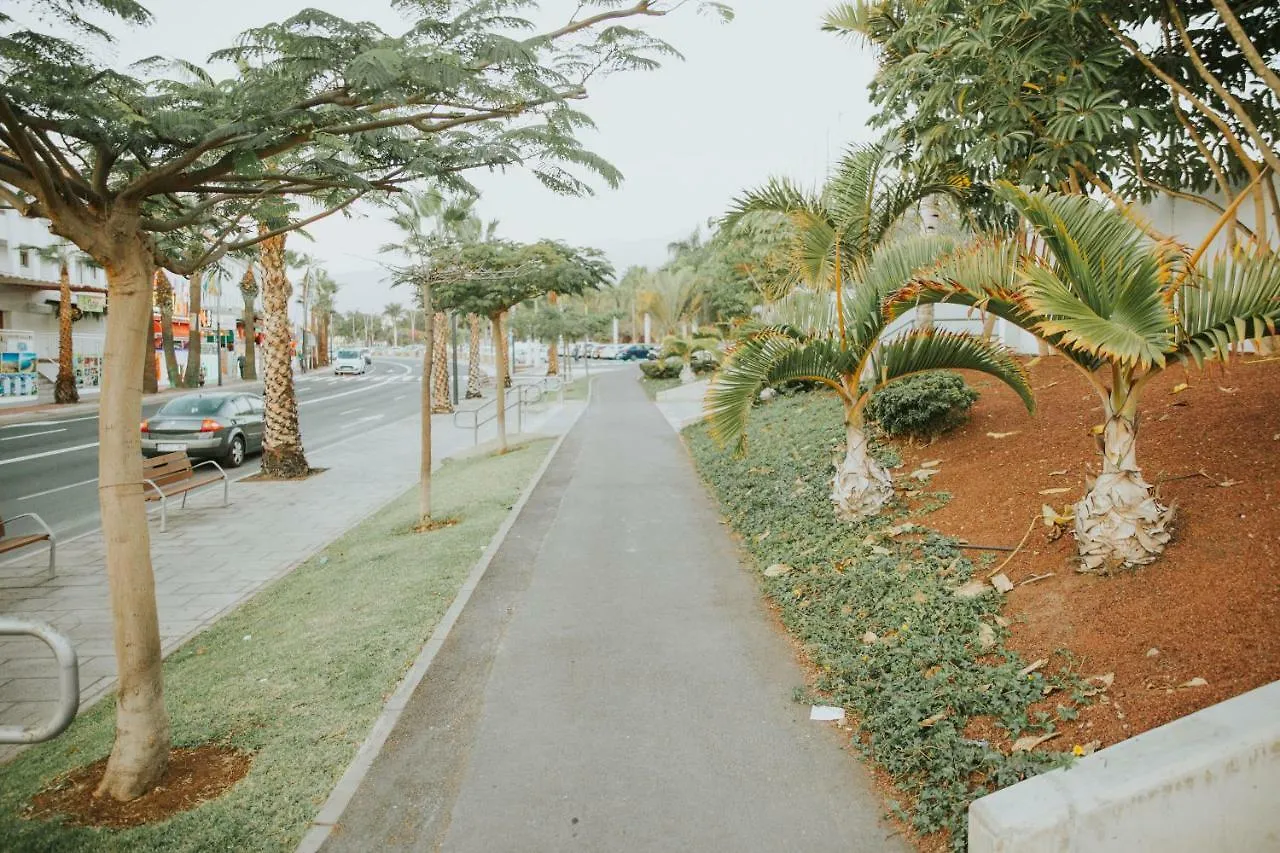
(224, 425)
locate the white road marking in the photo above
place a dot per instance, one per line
(59, 489)
(348, 412)
(48, 423)
(30, 456)
(32, 434)
(397, 399)
(369, 418)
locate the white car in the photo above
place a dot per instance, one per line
(349, 362)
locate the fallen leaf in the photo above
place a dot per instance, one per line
(1052, 518)
(881, 551)
(1027, 670)
(1001, 434)
(972, 589)
(777, 570)
(1026, 743)
(1061, 473)
(1001, 621)
(1228, 390)
(1002, 583)
(869, 637)
(1226, 484)
(1195, 682)
(932, 463)
(1106, 680)
(1098, 429)
(933, 720)
(986, 636)
(919, 597)
(1179, 388)
(764, 536)
(1060, 491)
(870, 540)
(923, 474)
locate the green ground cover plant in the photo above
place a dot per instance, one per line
(874, 606)
(296, 676)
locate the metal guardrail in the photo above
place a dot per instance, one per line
(521, 396)
(68, 682)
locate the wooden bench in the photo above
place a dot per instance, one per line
(12, 542)
(173, 474)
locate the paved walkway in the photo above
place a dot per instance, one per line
(615, 683)
(211, 558)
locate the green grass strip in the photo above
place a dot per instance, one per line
(297, 675)
(914, 687)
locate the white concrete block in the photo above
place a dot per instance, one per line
(1207, 782)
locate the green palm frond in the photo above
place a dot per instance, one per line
(772, 356)
(1236, 299)
(922, 350)
(891, 268)
(1106, 287)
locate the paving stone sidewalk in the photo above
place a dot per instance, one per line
(211, 558)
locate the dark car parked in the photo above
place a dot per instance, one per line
(224, 425)
(637, 352)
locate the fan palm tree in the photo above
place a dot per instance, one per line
(393, 312)
(249, 291)
(841, 359)
(832, 234)
(1121, 306)
(670, 297)
(684, 348)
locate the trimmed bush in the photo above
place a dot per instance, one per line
(923, 406)
(665, 368)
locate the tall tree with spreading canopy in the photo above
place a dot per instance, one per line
(1121, 306)
(317, 106)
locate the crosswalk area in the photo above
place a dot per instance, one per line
(315, 379)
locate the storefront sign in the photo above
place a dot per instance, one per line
(18, 379)
(91, 303)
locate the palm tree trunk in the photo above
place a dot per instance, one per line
(861, 486)
(140, 753)
(988, 325)
(440, 403)
(428, 366)
(250, 343)
(282, 454)
(192, 379)
(501, 384)
(1120, 524)
(166, 329)
(475, 376)
(150, 382)
(64, 388)
(553, 356)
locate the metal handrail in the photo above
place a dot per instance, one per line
(68, 682)
(525, 394)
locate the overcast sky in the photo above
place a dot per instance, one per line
(766, 94)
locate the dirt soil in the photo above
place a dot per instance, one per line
(1208, 609)
(194, 776)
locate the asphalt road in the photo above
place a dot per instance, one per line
(50, 467)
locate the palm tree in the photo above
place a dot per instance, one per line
(834, 233)
(475, 374)
(671, 298)
(63, 253)
(840, 361)
(393, 312)
(249, 290)
(440, 402)
(1121, 306)
(164, 301)
(685, 348)
(282, 453)
(325, 290)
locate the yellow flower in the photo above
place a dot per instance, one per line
(1077, 750)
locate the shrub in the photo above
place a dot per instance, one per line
(665, 368)
(922, 406)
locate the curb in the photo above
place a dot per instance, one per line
(340, 797)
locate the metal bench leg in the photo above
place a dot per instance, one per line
(226, 492)
(164, 518)
(184, 500)
(53, 547)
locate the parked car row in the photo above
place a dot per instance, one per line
(614, 352)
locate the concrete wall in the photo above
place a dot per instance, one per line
(1207, 783)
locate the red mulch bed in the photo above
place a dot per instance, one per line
(1209, 607)
(194, 776)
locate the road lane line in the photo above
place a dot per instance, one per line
(397, 399)
(48, 423)
(32, 434)
(348, 412)
(30, 456)
(59, 489)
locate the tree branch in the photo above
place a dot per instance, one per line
(1247, 46)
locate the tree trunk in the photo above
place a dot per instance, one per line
(553, 356)
(150, 381)
(64, 388)
(861, 486)
(501, 352)
(988, 326)
(140, 753)
(475, 375)
(440, 402)
(192, 379)
(428, 371)
(250, 344)
(508, 348)
(282, 455)
(687, 376)
(1119, 523)
(166, 328)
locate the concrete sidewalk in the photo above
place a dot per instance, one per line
(615, 683)
(212, 558)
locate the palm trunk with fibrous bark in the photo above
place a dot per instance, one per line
(475, 374)
(440, 403)
(64, 387)
(282, 454)
(861, 486)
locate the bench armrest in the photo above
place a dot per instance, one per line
(152, 484)
(37, 519)
(214, 464)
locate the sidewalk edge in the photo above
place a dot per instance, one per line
(340, 797)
